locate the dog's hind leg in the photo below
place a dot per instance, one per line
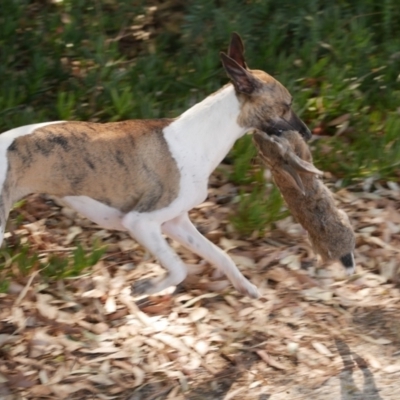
(3, 221)
(183, 231)
(5, 206)
(8, 196)
(148, 234)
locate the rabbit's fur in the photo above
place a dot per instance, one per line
(308, 199)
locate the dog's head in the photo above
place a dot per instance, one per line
(265, 103)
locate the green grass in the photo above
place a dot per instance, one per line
(257, 210)
(20, 259)
(57, 267)
(113, 60)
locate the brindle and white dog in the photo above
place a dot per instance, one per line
(143, 176)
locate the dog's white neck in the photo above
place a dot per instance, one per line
(204, 134)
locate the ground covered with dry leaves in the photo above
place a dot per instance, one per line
(313, 334)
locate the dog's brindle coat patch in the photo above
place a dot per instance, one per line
(141, 180)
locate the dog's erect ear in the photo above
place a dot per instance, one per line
(236, 50)
(242, 79)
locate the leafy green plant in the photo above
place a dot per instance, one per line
(82, 259)
(18, 256)
(24, 260)
(4, 275)
(58, 267)
(256, 211)
(55, 267)
(66, 105)
(122, 102)
(4, 285)
(242, 156)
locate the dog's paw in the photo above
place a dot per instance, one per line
(248, 289)
(143, 286)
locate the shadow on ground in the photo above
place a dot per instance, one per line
(348, 388)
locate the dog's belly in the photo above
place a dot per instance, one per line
(103, 215)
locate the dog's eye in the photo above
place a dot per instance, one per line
(287, 106)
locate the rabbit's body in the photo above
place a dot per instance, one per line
(308, 199)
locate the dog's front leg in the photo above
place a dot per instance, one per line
(183, 231)
(148, 234)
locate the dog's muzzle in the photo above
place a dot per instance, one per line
(292, 123)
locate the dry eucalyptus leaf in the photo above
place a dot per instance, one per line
(370, 339)
(227, 244)
(198, 313)
(322, 349)
(73, 232)
(45, 308)
(127, 245)
(292, 261)
(316, 293)
(391, 369)
(243, 261)
(270, 360)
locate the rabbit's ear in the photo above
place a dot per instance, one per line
(303, 166)
(295, 176)
(295, 165)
